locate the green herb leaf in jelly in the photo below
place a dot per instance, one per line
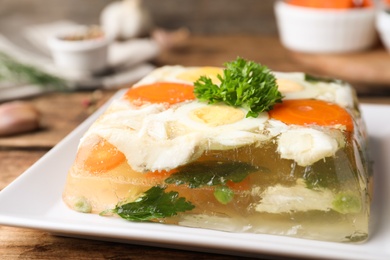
(347, 202)
(155, 203)
(211, 173)
(317, 79)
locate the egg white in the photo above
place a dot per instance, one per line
(341, 94)
(242, 132)
(171, 74)
(165, 73)
(306, 145)
(155, 137)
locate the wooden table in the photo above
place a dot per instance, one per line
(62, 112)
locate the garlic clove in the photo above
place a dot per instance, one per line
(126, 19)
(168, 40)
(18, 117)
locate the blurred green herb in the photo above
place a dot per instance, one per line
(316, 79)
(317, 178)
(14, 71)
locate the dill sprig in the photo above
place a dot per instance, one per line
(14, 71)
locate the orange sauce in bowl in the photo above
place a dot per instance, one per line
(332, 4)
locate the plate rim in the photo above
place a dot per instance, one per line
(262, 244)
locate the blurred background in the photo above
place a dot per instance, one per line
(22, 25)
(25, 25)
(200, 16)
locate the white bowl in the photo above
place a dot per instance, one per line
(86, 56)
(314, 30)
(383, 27)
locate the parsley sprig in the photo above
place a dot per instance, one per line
(244, 84)
(155, 203)
(211, 173)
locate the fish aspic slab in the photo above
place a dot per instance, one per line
(237, 148)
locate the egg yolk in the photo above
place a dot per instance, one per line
(217, 115)
(161, 92)
(193, 75)
(288, 86)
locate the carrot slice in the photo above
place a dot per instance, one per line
(98, 156)
(310, 111)
(161, 92)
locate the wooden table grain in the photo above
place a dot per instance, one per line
(62, 112)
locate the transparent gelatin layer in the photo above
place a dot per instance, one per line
(328, 200)
(247, 189)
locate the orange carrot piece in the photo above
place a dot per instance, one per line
(161, 92)
(99, 156)
(239, 186)
(311, 112)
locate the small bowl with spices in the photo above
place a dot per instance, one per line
(82, 49)
(334, 26)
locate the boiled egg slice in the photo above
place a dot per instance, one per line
(193, 74)
(181, 74)
(294, 86)
(222, 126)
(165, 73)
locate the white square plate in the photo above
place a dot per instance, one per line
(34, 201)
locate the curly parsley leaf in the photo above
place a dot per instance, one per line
(153, 204)
(211, 173)
(244, 84)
